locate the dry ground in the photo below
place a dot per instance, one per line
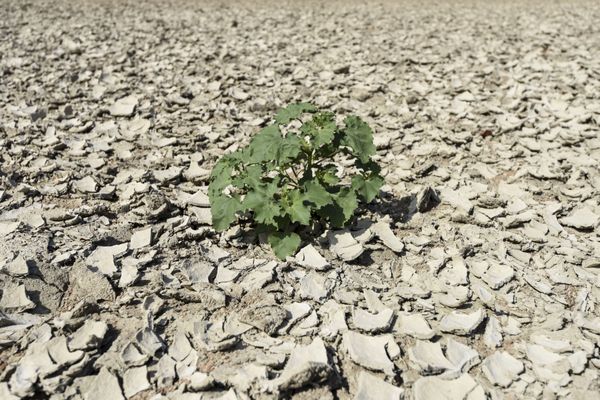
(113, 284)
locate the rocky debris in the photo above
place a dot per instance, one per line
(414, 325)
(372, 352)
(15, 299)
(582, 219)
(501, 368)
(344, 245)
(463, 387)
(475, 274)
(105, 385)
(371, 387)
(18, 267)
(307, 364)
(461, 323)
(367, 322)
(383, 231)
(89, 335)
(308, 256)
(428, 358)
(124, 107)
(141, 238)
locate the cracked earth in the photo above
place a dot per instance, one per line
(475, 275)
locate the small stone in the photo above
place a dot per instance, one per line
(492, 336)
(414, 325)
(306, 365)
(135, 380)
(581, 219)
(60, 353)
(86, 185)
(88, 336)
(539, 355)
(313, 286)
(501, 368)
(367, 322)
(462, 324)
(462, 357)
(498, 275)
(199, 199)
(17, 268)
(123, 107)
(369, 351)
(129, 275)
(197, 272)
(104, 386)
(267, 318)
(141, 238)
(15, 299)
(148, 341)
(308, 256)
(132, 356)
(559, 346)
(457, 200)
(578, 361)
(387, 236)
(462, 388)
(371, 387)
(344, 245)
(428, 358)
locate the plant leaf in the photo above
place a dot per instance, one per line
(298, 211)
(347, 201)
(223, 210)
(293, 111)
(265, 145)
(359, 137)
(260, 200)
(316, 194)
(289, 148)
(284, 244)
(321, 128)
(367, 188)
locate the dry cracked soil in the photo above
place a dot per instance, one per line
(475, 275)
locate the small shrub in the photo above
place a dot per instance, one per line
(286, 178)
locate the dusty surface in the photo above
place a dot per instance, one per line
(114, 285)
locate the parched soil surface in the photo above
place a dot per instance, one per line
(475, 275)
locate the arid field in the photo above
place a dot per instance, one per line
(474, 275)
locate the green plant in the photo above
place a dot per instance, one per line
(287, 176)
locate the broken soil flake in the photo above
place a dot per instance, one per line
(371, 387)
(123, 107)
(15, 299)
(582, 219)
(104, 386)
(344, 245)
(141, 238)
(461, 388)
(308, 256)
(370, 351)
(462, 324)
(307, 364)
(501, 368)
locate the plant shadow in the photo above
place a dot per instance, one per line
(402, 209)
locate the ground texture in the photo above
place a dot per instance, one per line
(475, 275)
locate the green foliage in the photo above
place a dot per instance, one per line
(287, 178)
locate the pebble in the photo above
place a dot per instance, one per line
(371, 387)
(414, 325)
(501, 368)
(309, 257)
(461, 323)
(463, 387)
(370, 351)
(124, 107)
